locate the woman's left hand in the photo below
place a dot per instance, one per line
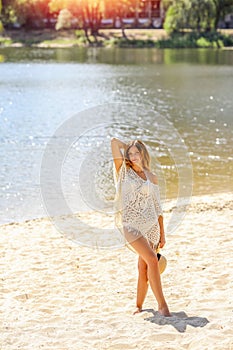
(162, 241)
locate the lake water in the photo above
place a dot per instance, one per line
(178, 101)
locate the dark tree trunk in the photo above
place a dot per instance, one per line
(123, 29)
(85, 28)
(218, 10)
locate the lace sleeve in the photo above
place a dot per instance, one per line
(157, 202)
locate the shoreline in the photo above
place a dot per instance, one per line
(197, 203)
(59, 295)
(48, 38)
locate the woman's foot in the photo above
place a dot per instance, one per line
(137, 311)
(164, 311)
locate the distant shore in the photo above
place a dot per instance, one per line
(48, 38)
(69, 38)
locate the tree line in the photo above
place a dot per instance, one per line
(197, 15)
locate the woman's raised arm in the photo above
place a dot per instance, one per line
(116, 146)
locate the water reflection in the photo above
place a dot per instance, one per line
(40, 88)
(119, 56)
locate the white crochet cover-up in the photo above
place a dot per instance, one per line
(137, 205)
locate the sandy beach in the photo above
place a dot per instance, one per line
(58, 295)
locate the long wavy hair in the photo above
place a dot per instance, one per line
(143, 151)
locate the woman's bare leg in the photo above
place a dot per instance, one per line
(148, 255)
(142, 286)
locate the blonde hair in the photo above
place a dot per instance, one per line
(143, 151)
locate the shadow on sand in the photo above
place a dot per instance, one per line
(179, 320)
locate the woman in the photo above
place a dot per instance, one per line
(139, 215)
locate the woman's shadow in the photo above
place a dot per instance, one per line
(179, 320)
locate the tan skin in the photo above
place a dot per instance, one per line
(147, 261)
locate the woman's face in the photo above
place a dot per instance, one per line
(135, 156)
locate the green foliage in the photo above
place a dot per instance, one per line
(79, 33)
(5, 41)
(198, 15)
(81, 38)
(196, 40)
(134, 43)
(227, 40)
(176, 40)
(8, 12)
(194, 14)
(203, 42)
(64, 42)
(176, 17)
(82, 41)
